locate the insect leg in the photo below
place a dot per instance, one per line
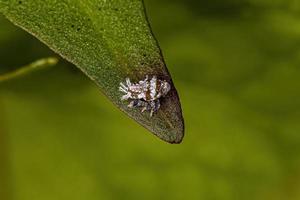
(145, 106)
(126, 96)
(151, 113)
(128, 82)
(157, 105)
(134, 103)
(152, 105)
(144, 82)
(146, 79)
(131, 104)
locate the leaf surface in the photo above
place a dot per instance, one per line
(109, 40)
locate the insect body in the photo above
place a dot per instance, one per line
(145, 93)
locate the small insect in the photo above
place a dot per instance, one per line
(146, 93)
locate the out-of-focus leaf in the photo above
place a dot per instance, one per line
(108, 41)
(39, 64)
(5, 190)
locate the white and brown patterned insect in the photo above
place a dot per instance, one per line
(145, 93)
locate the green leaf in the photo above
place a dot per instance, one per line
(109, 40)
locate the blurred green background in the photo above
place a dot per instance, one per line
(236, 66)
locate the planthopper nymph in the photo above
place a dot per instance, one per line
(146, 93)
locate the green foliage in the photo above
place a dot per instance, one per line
(108, 41)
(236, 65)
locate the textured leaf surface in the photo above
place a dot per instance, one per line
(108, 41)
